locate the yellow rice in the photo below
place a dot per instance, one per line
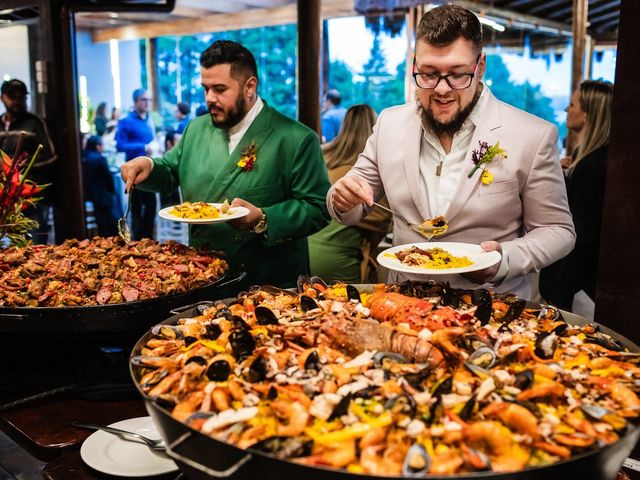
(195, 210)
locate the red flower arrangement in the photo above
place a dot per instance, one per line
(17, 193)
(248, 157)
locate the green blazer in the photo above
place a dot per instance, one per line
(289, 182)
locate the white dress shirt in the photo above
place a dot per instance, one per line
(237, 131)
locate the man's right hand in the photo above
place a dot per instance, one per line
(135, 171)
(351, 191)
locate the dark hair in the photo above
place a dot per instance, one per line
(138, 92)
(333, 96)
(443, 25)
(13, 86)
(242, 61)
(92, 143)
(101, 111)
(183, 108)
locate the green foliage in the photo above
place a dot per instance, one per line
(525, 96)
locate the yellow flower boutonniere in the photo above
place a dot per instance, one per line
(248, 157)
(482, 157)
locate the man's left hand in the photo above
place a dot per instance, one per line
(487, 274)
(248, 221)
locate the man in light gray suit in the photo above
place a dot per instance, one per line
(422, 159)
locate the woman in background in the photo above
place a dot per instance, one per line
(343, 252)
(589, 116)
(100, 120)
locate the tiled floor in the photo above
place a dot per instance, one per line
(16, 464)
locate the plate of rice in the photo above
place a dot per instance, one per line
(437, 258)
(202, 212)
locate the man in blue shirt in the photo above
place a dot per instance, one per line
(135, 137)
(183, 115)
(332, 116)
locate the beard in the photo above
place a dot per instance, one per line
(233, 116)
(452, 126)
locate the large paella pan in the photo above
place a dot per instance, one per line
(333, 382)
(102, 286)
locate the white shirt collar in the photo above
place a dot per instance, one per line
(237, 131)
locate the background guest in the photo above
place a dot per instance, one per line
(332, 115)
(135, 137)
(589, 116)
(342, 252)
(99, 187)
(183, 115)
(100, 120)
(15, 122)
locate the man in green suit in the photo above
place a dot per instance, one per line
(252, 155)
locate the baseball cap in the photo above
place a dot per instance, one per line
(13, 86)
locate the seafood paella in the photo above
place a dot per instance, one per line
(200, 210)
(409, 379)
(102, 271)
(433, 258)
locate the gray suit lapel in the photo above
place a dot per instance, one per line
(487, 131)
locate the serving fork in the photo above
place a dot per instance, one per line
(426, 231)
(123, 434)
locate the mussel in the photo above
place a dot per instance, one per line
(203, 307)
(516, 307)
(312, 362)
(467, 410)
(342, 408)
(285, 447)
(484, 357)
(257, 371)
(524, 379)
(242, 343)
(223, 312)
(385, 359)
(605, 341)
(167, 331)
(239, 323)
(415, 379)
(484, 303)
(353, 294)
(218, 371)
(196, 359)
(265, 316)
(416, 463)
(403, 403)
(211, 331)
(188, 340)
(546, 344)
(307, 303)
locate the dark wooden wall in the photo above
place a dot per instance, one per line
(618, 295)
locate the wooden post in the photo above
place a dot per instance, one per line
(151, 60)
(309, 38)
(617, 299)
(580, 18)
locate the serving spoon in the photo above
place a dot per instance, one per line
(150, 442)
(123, 227)
(428, 231)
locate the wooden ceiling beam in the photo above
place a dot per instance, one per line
(221, 22)
(605, 16)
(605, 6)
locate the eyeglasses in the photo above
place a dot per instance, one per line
(456, 81)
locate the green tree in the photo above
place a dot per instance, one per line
(525, 96)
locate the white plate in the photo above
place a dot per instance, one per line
(108, 453)
(233, 213)
(479, 257)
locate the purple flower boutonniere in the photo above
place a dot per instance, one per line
(248, 157)
(482, 157)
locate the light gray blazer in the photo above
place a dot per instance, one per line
(524, 208)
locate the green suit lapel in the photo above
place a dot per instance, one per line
(258, 132)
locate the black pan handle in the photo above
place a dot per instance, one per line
(202, 468)
(178, 310)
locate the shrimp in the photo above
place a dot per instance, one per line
(515, 416)
(626, 398)
(186, 407)
(374, 437)
(493, 436)
(546, 389)
(376, 464)
(341, 455)
(553, 449)
(446, 462)
(443, 339)
(220, 398)
(295, 415)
